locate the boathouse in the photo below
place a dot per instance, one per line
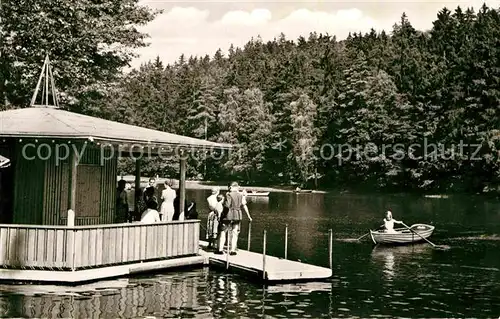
(62, 160)
(58, 186)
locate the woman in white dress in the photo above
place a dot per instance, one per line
(167, 206)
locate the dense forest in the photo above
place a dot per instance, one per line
(398, 109)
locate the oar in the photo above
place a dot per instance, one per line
(363, 236)
(368, 233)
(419, 235)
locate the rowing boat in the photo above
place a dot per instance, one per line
(303, 191)
(256, 193)
(403, 235)
(436, 196)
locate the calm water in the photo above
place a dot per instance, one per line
(411, 281)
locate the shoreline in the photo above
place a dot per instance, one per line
(207, 185)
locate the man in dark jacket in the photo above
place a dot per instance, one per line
(150, 191)
(231, 222)
(121, 203)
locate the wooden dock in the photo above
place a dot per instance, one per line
(78, 254)
(274, 269)
(95, 274)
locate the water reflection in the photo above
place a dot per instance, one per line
(389, 265)
(388, 255)
(258, 199)
(200, 293)
(300, 287)
(403, 281)
(155, 296)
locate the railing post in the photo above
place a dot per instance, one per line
(286, 241)
(264, 256)
(330, 247)
(73, 235)
(70, 222)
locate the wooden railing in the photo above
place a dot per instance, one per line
(81, 221)
(72, 248)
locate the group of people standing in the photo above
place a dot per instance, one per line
(147, 204)
(224, 219)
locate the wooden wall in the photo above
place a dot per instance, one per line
(41, 188)
(29, 175)
(6, 182)
(61, 247)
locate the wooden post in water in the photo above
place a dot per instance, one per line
(228, 237)
(286, 241)
(249, 235)
(330, 247)
(264, 256)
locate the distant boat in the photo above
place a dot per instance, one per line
(402, 235)
(303, 191)
(436, 196)
(257, 193)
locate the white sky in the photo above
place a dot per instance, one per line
(201, 27)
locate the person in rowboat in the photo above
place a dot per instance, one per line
(389, 222)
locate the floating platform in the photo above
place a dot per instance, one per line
(276, 269)
(95, 274)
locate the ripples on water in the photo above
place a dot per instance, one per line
(196, 293)
(381, 282)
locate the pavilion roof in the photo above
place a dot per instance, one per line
(47, 122)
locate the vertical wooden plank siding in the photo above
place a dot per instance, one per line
(88, 201)
(108, 190)
(60, 247)
(55, 190)
(96, 188)
(41, 188)
(27, 247)
(28, 185)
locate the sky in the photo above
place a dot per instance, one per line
(200, 27)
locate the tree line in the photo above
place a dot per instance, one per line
(402, 109)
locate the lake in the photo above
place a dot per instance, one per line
(406, 281)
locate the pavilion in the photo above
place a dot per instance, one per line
(63, 160)
(58, 180)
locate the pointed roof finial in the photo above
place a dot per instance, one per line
(46, 74)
